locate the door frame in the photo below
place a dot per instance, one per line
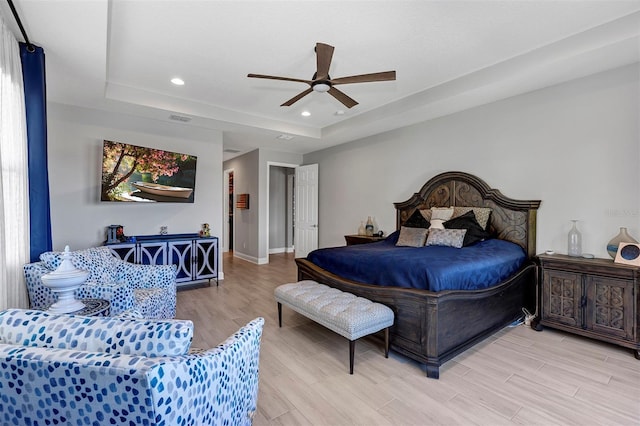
(276, 164)
(225, 223)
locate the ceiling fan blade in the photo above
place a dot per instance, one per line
(324, 53)
(346, 100)
(273, 77)
(297, 97)
(366, 78)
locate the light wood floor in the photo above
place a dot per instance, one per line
(518, 376)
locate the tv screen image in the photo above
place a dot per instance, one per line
(133, 173)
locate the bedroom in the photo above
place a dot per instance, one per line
(574, 145)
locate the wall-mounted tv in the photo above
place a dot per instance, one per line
(133, 173)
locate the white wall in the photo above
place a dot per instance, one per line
(78, 216)
(574, 146)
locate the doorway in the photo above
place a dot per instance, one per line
(280, 209)
(228, 210)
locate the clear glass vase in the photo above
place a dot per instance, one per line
(622, 237)
(574, 241)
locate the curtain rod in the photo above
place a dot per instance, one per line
(30, 46)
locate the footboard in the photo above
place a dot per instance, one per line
(432, 328)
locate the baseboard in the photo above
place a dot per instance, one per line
(256, 260)
(246, 257)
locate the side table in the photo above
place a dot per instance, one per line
(93, 308)
(362, 239)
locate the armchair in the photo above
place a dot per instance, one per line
(145, 290)
(66, 369)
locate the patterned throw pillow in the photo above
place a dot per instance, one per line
(483, 214)
(412, 237)
(446, 237)
(468, 221)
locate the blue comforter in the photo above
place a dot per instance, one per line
(434, 268)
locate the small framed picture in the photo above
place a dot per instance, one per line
(628, 254)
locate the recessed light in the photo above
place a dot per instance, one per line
(177, 81)
(284, 137)
(340, 112)
(305, 113)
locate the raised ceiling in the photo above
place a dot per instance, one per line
(449, 55)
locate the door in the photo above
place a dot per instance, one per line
(562, 297)
(306, 209)
(180, 253)
(152, 253)
(206, 259)
(610, 307)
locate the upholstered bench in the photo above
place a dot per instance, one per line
(346, 314)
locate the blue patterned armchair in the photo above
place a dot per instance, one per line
(66, 369)
(148, 291)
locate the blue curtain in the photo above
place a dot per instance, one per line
(35, 94)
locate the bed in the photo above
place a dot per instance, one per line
(432, 327)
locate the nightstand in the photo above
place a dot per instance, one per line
(595, 298)
(362, 239)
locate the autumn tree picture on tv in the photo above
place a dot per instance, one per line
(139, 174)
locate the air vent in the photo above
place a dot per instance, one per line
(181, 118)
(232, 151)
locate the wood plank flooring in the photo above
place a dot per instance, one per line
(518, 376)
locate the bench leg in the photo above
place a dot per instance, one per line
(280, 314)
(386, 342)
(352, 349)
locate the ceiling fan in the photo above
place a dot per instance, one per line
(322, 82)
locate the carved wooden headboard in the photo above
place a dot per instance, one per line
(511, 220)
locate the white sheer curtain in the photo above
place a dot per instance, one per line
(14, 197)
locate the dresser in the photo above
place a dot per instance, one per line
(595, 298)
(195, 257)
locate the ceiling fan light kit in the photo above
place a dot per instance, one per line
(321, 82)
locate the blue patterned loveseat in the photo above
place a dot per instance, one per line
(140, 290)
(65, 369)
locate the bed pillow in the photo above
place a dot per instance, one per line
(446, 237)
(444, 213)
(416, 220)
(439, 215)
(468, 221)
(482, 214)
(412, 237)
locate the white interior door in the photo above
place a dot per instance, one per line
(306, 210)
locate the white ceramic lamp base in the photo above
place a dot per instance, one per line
(66, 303)
(63, 282)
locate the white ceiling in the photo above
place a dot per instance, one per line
(449, 55)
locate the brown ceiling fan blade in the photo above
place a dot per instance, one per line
(366, 78)
(324, 53)
(346, 100)
(273, 77)
(297, 97)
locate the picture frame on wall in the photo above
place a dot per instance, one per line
(628, 254)
(242, 202)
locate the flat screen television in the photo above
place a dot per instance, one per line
(133, 173)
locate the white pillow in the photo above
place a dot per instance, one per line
(437, 224)
(441, 213)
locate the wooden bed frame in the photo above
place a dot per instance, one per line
(433, 327)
